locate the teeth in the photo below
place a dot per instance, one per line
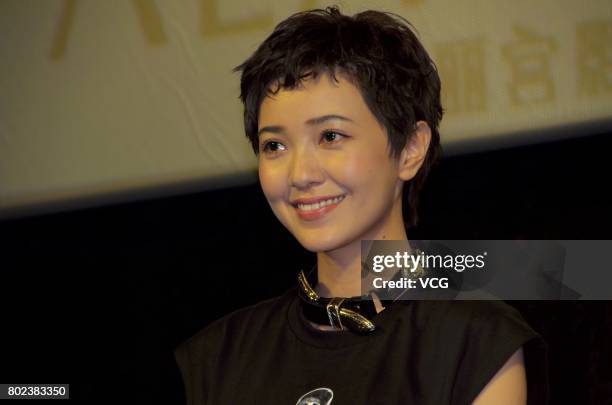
(320, 204)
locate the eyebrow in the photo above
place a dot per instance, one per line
(277, 129)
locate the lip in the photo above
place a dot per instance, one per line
(318, 213)
(313, 200)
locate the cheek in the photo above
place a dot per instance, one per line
(271, 180)
(356, 169)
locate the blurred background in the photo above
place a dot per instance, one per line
(129, 195)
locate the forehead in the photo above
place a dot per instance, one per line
(316, 97)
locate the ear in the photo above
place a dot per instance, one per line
(415, 151)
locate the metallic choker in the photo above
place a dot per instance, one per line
(343, 313)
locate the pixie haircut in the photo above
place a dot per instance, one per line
(377, 51)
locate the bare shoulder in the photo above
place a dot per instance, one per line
(508, 386)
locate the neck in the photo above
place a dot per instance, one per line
(339, 270)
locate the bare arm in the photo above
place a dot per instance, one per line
(508, 386)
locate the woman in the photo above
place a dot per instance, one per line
(343, 113)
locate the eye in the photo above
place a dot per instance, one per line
(330, 136)
(272, 147)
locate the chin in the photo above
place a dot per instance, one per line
(325, 244)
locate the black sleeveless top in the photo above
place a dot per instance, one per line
(422, 352)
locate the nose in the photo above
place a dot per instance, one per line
(306, 170)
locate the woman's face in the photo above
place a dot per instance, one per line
(324, 164)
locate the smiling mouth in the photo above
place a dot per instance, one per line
(317, 209)
(319, 204)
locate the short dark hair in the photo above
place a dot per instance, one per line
(379, 53)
